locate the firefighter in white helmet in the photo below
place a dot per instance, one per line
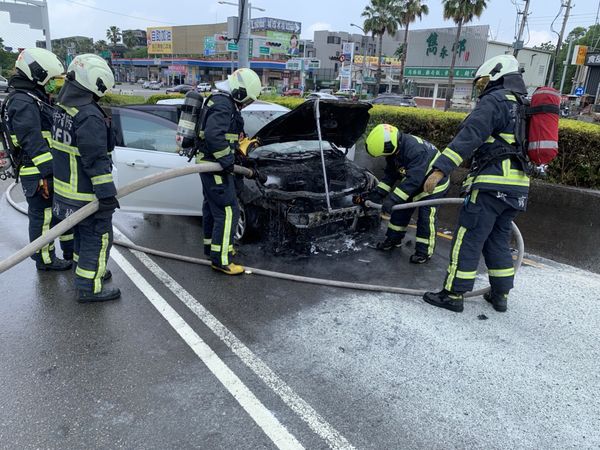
(220, 130)
(497, 185)
(82, 141)
(28, 116)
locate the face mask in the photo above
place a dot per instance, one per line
(54, 85)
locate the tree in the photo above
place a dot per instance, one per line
(381, 17)
(113, 34)
(7, 60)
(129, 39)
(461, 12)
(411, 10)
(100, 46)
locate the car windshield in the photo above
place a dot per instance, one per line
(255, 120)
(291, 149)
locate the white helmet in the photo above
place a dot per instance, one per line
(39, 65)
(497, 67)
(243, 85)
(91, 72)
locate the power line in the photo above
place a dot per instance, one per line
(118, 13)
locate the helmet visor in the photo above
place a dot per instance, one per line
(54, 84)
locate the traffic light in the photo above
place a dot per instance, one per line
(273, 44)
(220, 37)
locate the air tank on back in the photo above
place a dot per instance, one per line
(190, 111)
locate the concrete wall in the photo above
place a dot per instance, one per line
(561, 223)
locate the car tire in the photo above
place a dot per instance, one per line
(248, 223)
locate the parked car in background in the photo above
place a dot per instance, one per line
(180, 89)
(155, 85)
(268, 90)
(204, 87)
(326, 91)
(395, 100)
(346, 93)
(293, 92)
(3, 84)
(141, 81)
(322, 96)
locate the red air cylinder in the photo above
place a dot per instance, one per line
(543, 125)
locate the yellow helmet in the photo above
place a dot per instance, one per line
(382, 141)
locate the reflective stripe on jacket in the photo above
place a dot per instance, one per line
(81, 144)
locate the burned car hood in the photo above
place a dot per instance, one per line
(342, 123)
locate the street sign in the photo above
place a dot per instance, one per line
(579, 54)
(264, 50)
(232, 47)
(579, 91)
(313, 64)
(293, 64)
(342, 58)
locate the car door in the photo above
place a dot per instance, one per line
(146, 147)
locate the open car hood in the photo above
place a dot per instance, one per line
(342, 123)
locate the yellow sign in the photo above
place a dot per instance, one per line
(579, 55)
(160, 40)
(372, 60)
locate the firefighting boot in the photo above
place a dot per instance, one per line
(499, 301)
(419, 258)
(445, 299)
(389, 244)
(105, 295)
(107, 276)
(57, 264)
(230, 269)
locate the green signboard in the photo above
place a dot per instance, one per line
(264, 50)
(232, 47)
(439, 72)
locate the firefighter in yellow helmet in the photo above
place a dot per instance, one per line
(409, 160)
(28, 115)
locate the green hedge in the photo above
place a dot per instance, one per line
(156, 97)
(121, 99)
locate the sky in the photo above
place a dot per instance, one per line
(78, 17)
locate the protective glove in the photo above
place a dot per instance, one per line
(108, 204)
(261, 177)
(433, 180)
(227, 168)
(375, 195)
(45, 187)
(386, 208)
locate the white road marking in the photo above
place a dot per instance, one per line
(306, 412)
(280, 436)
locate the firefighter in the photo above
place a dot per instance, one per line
(81, 145)
(219, 137)
(409, 160)
(497, 186)
(29, 120)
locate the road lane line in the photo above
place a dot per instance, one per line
(306, 412)
(280, 436)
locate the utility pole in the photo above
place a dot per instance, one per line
(519, 41)
(244, 42)
(565, 66)
(559, 43)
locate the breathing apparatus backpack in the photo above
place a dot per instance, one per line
(536, 132)
(191, 124)
(11, 156)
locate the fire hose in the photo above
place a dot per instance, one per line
(92, 207)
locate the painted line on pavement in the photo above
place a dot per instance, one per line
(280, 436)
(306, 412)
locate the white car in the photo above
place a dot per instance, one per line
(3, 84)
(146, 138)
(204, 87)
(322, 95)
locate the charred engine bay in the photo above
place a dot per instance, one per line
(297, 220)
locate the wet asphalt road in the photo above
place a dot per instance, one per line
(190, 359)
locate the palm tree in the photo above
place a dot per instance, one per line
(129, 39)
(461, 12)
(100, 46)
(381, 16)
(411, 10)
(113, 34)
